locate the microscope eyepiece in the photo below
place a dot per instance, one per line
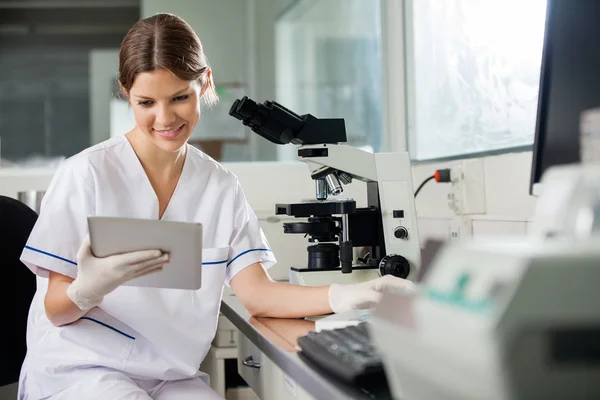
(244, 108)
(280, 125)
(270, 120)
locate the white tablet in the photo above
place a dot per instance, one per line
(182, 240)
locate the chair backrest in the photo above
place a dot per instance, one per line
(17, 286)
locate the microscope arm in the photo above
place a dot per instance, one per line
(358, 163)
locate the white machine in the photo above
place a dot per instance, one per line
(505, 319)
(386, 229)
(497, 320)
(570, 202)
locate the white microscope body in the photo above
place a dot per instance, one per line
(389, 189)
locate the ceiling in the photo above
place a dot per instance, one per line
(65, 23)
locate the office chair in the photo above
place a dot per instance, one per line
(18, 286)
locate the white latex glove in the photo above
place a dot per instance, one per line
(96, 277)
(366, 294)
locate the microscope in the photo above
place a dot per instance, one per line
(386, 227)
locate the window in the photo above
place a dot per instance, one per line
(473, 70)
(329, 65)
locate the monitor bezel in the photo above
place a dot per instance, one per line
(542, 108)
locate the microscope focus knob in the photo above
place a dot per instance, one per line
(394, 265)
(401, 232)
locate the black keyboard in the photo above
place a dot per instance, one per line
(346, 353)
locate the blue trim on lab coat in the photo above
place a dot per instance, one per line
(214, 262)
(242, 253)
(108, 326)
(50, 255)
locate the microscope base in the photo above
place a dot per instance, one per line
(316, 277)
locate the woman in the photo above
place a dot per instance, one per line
(88, 336)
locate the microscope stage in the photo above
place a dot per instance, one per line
(316, 208)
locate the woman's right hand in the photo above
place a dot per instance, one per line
(96, 277)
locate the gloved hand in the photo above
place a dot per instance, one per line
(366, 294)
(96, 277)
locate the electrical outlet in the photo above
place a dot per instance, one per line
(467, 193)
(453, 231)
(460, 228)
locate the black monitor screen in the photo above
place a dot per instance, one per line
(570, 81)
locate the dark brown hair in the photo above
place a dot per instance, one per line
(165, 41)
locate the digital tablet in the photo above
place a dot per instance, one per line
(182, 240)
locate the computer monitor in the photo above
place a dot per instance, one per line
(569, 82)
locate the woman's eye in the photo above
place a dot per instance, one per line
(182, 98)
(145, 103)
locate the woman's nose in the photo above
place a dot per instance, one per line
(165, 116)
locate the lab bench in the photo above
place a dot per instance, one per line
(268, 360)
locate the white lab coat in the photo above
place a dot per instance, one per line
(160, 334)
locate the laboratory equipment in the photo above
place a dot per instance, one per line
(501, 319)
(589, 136)
(569, 83)
(345, 353)
(32, 198)
(387, 226)
(570, 203)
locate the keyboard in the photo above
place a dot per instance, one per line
(346, 353)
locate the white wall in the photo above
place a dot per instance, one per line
(508, 205)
